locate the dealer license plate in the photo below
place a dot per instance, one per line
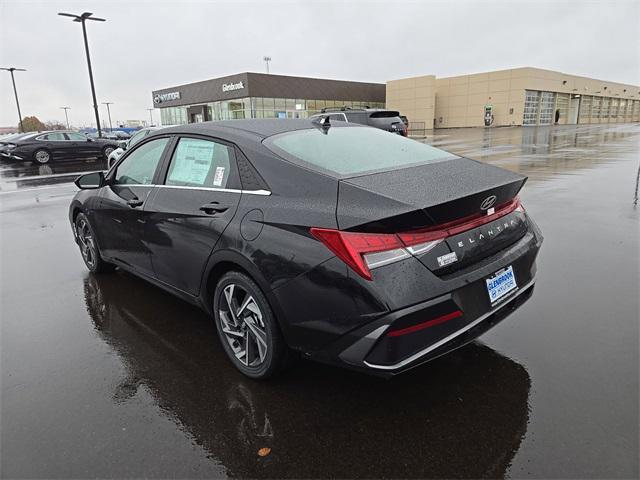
(501, 284)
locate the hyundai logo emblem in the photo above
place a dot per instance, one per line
(488, 202)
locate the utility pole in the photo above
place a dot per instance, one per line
(150, 110)
(267, 59)
(15, 92)
(109, 114)
(82, 19)
(66, 116)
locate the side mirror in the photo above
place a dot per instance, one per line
(123, 144)
(90, 181)
(89, 139)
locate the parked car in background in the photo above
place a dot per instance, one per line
(389, 120)
(44, 147)
(116, 135)
(333, 240)
(126, 144)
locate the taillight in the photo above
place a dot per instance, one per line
(364, 251)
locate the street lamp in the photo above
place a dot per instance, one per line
(66, 116)
(267, 59)
(81, 19)
(11, 70)
(150, 110)
(109, 114)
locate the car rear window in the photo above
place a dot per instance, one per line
(350, 151)
(385, 114)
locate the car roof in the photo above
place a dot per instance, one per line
(259, 127)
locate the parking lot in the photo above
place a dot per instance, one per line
(107, 376)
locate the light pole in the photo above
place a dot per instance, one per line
(150, 110)
(81, 19)
(267, 59)
(66, 116)
(15, 91)
(109, 114)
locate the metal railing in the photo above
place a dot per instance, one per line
(417, 129)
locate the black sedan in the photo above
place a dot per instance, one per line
(43, 147)
(340, 243)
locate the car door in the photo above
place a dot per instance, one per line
(58, 145)
(121, 215)
(80, 145)
(194, 203)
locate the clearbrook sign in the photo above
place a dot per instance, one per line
(228, 87)
(165, 97)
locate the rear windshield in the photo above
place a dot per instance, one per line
(350, 151)
(384, 114)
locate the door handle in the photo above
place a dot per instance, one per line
(213, 208)
(135, 202)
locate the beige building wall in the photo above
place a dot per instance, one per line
(413, 97)
(459, 101)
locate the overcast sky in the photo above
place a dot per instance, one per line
(149, 45)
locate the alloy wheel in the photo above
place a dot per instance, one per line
(42, 156)
(87, 245)
(242, 325)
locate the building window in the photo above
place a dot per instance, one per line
(547, 102)
(531, 101)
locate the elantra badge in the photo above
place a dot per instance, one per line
(488, 202)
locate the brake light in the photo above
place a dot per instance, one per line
(364, 251)
(354, 248)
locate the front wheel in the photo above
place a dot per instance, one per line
(106, 151)
(88, 246)
(248, 329)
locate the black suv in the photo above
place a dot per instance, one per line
(388, 120)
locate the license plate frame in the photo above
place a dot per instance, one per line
(501, 284)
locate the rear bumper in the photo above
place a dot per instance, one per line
(370, 348)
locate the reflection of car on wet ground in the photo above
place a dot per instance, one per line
(388, 120)
(351, 246)
(44, 147)
(464, 415)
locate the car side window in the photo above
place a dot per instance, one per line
(137, 137)
(337, 117)
(76, 137)
(55, 136)
(201, 163)
(140, 165)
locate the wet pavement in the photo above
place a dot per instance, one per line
(107, 376)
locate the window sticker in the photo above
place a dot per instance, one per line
(192, 162)
(217, 179)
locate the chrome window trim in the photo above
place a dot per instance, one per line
(448, 338)
(210, 189)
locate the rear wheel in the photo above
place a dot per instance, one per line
(42, 155)
(247, 327)
(88, 246)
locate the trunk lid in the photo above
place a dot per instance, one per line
(423, 196)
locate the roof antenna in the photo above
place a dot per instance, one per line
(323, 122)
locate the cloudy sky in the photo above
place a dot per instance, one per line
(155, 44)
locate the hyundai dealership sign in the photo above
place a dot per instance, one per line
(228, 87)
(165, 97)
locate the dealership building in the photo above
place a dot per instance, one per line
(259, 95)
(519, 96)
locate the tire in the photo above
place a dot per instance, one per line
(252, 323)
(42, 155)
(89, 248)
(106, 151)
